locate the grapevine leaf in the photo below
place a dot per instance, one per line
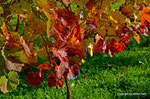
(5, 31)
(21, 56)
(137, 37)
(111, 31)
(74, 7)
(42, 52)
(100, 45)
(53, 81)
(7, 1)
(34, 79)
(115, 5)
(60, 70)
(67, 17)
(60, 53)
(80, 2)
(1, 10)
(117, 17)
(3, 84)
(43, 67)
(13, 81)
(9, 84)
(10, 65)
(144, 13)
(101, 28)
(73, 72)
(22, 7)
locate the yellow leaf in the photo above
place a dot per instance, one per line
(101, 27)
(90, 46)
(42, 53)
(117, 27)
(22, 7)
(80, 2)
(111, 31)
(111, 18)
(83, 61)
(117, 17)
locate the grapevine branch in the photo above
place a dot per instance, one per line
(68, 89)
(8, 9)
(17, 27)
(48, 53)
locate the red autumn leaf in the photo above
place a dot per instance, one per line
(60, 70)
(60, 83)
(60, 53)
(5, 31)
(101, 45)
(126, 39)
(76, 49)
(144, 30)
(67, 18)
(53, 81)
(114, 46)
(43, 67)
(120, 47)
(34, 79)
(90, 4)
(73, 72)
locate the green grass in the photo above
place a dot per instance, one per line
(105, 77)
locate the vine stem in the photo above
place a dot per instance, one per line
(17, 27)
(47, 47)
(8, 9)
(68, 88)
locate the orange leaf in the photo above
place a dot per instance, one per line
(144, 13)
(137, 37)
(44, 66)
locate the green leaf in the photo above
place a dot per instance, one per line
(115, 5)
(13, 81)
(10, 83)
(22, 7)
(3, 84)
(36, 37)
(2, 80)
(1, 10)
(38, 44)
(21, 56)
(52, 40)
(60, 5)
(74, 7)
(7, 1)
